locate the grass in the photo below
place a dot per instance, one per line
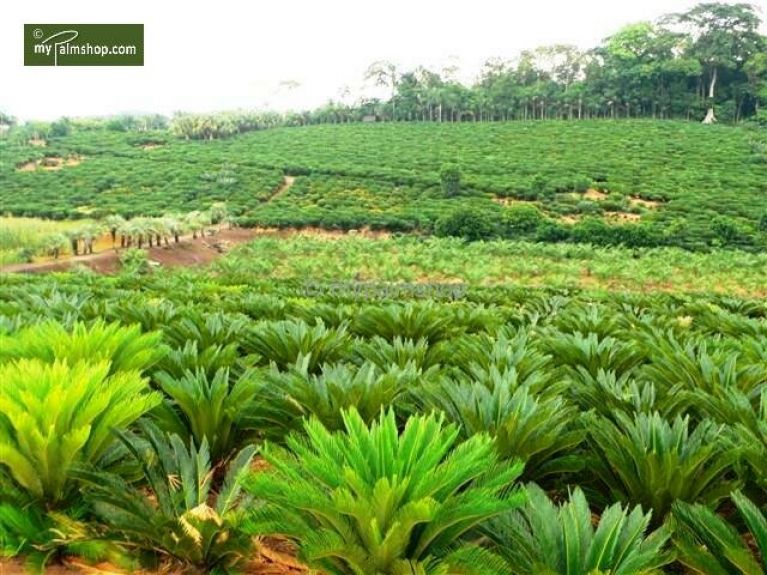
(18, 235)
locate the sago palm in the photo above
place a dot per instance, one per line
(649, 461)
(367, 388)
(284, 342)
(411, 320)
(542, 431)
(543, 538)
(708, 545)
(199, 406)
(177, 515)
(53, 416)
(370, 500)
(126, 348)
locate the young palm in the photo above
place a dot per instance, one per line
(543, 538)
(284, 342)
(542, 431)
(708, 545)
(371, 500)
(411, 321)
(201, 407)
(324, 396)
(649, 461)
(54, 416)
(177, 515)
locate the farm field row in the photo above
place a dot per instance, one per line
(684, 184)
(512, 422)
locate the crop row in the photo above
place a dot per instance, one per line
(167, 424)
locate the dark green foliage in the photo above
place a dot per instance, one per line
(543, 537)
(179, 515)
(649, 461)
(450, 178)
(708, 544)
(471, 225)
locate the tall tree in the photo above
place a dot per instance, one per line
(724, 36)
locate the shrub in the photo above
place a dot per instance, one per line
(471, 225)
(450, 177)
(521, 221)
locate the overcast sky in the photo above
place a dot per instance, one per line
(227, 54)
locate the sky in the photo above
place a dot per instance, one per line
(287, 54)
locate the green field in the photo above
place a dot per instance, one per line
(633, 182)
(638, 415)
(497, 263)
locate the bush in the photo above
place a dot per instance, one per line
(450, 176)
(521, 221)
(471, 225)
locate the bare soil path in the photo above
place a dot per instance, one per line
(188, 252)
(287, 183)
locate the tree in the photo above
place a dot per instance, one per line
(384, 73)
(450, 176)
(724, 36)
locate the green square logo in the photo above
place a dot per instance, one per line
(83, 44)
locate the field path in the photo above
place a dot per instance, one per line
(287, 183)
(185, 253)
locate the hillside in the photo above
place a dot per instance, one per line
(657, 183)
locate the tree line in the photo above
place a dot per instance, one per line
(708, 63)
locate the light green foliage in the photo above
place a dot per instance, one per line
(53, 416)
(124, 347)
(545, 538)
(373, 500)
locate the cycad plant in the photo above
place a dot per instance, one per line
(191, 357)
(199, 406)
(284, 342)
(542, 431)
(750, 434)
(481, 354)
(410, 320)
(608, 394)
(649, 461)
(592, 353)
(372, 500)
(53, 416)
(126, 348)
(297, 393)
(177, 515)
(695, 365)
(708, 545)
(543, 538)
(398, 351)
